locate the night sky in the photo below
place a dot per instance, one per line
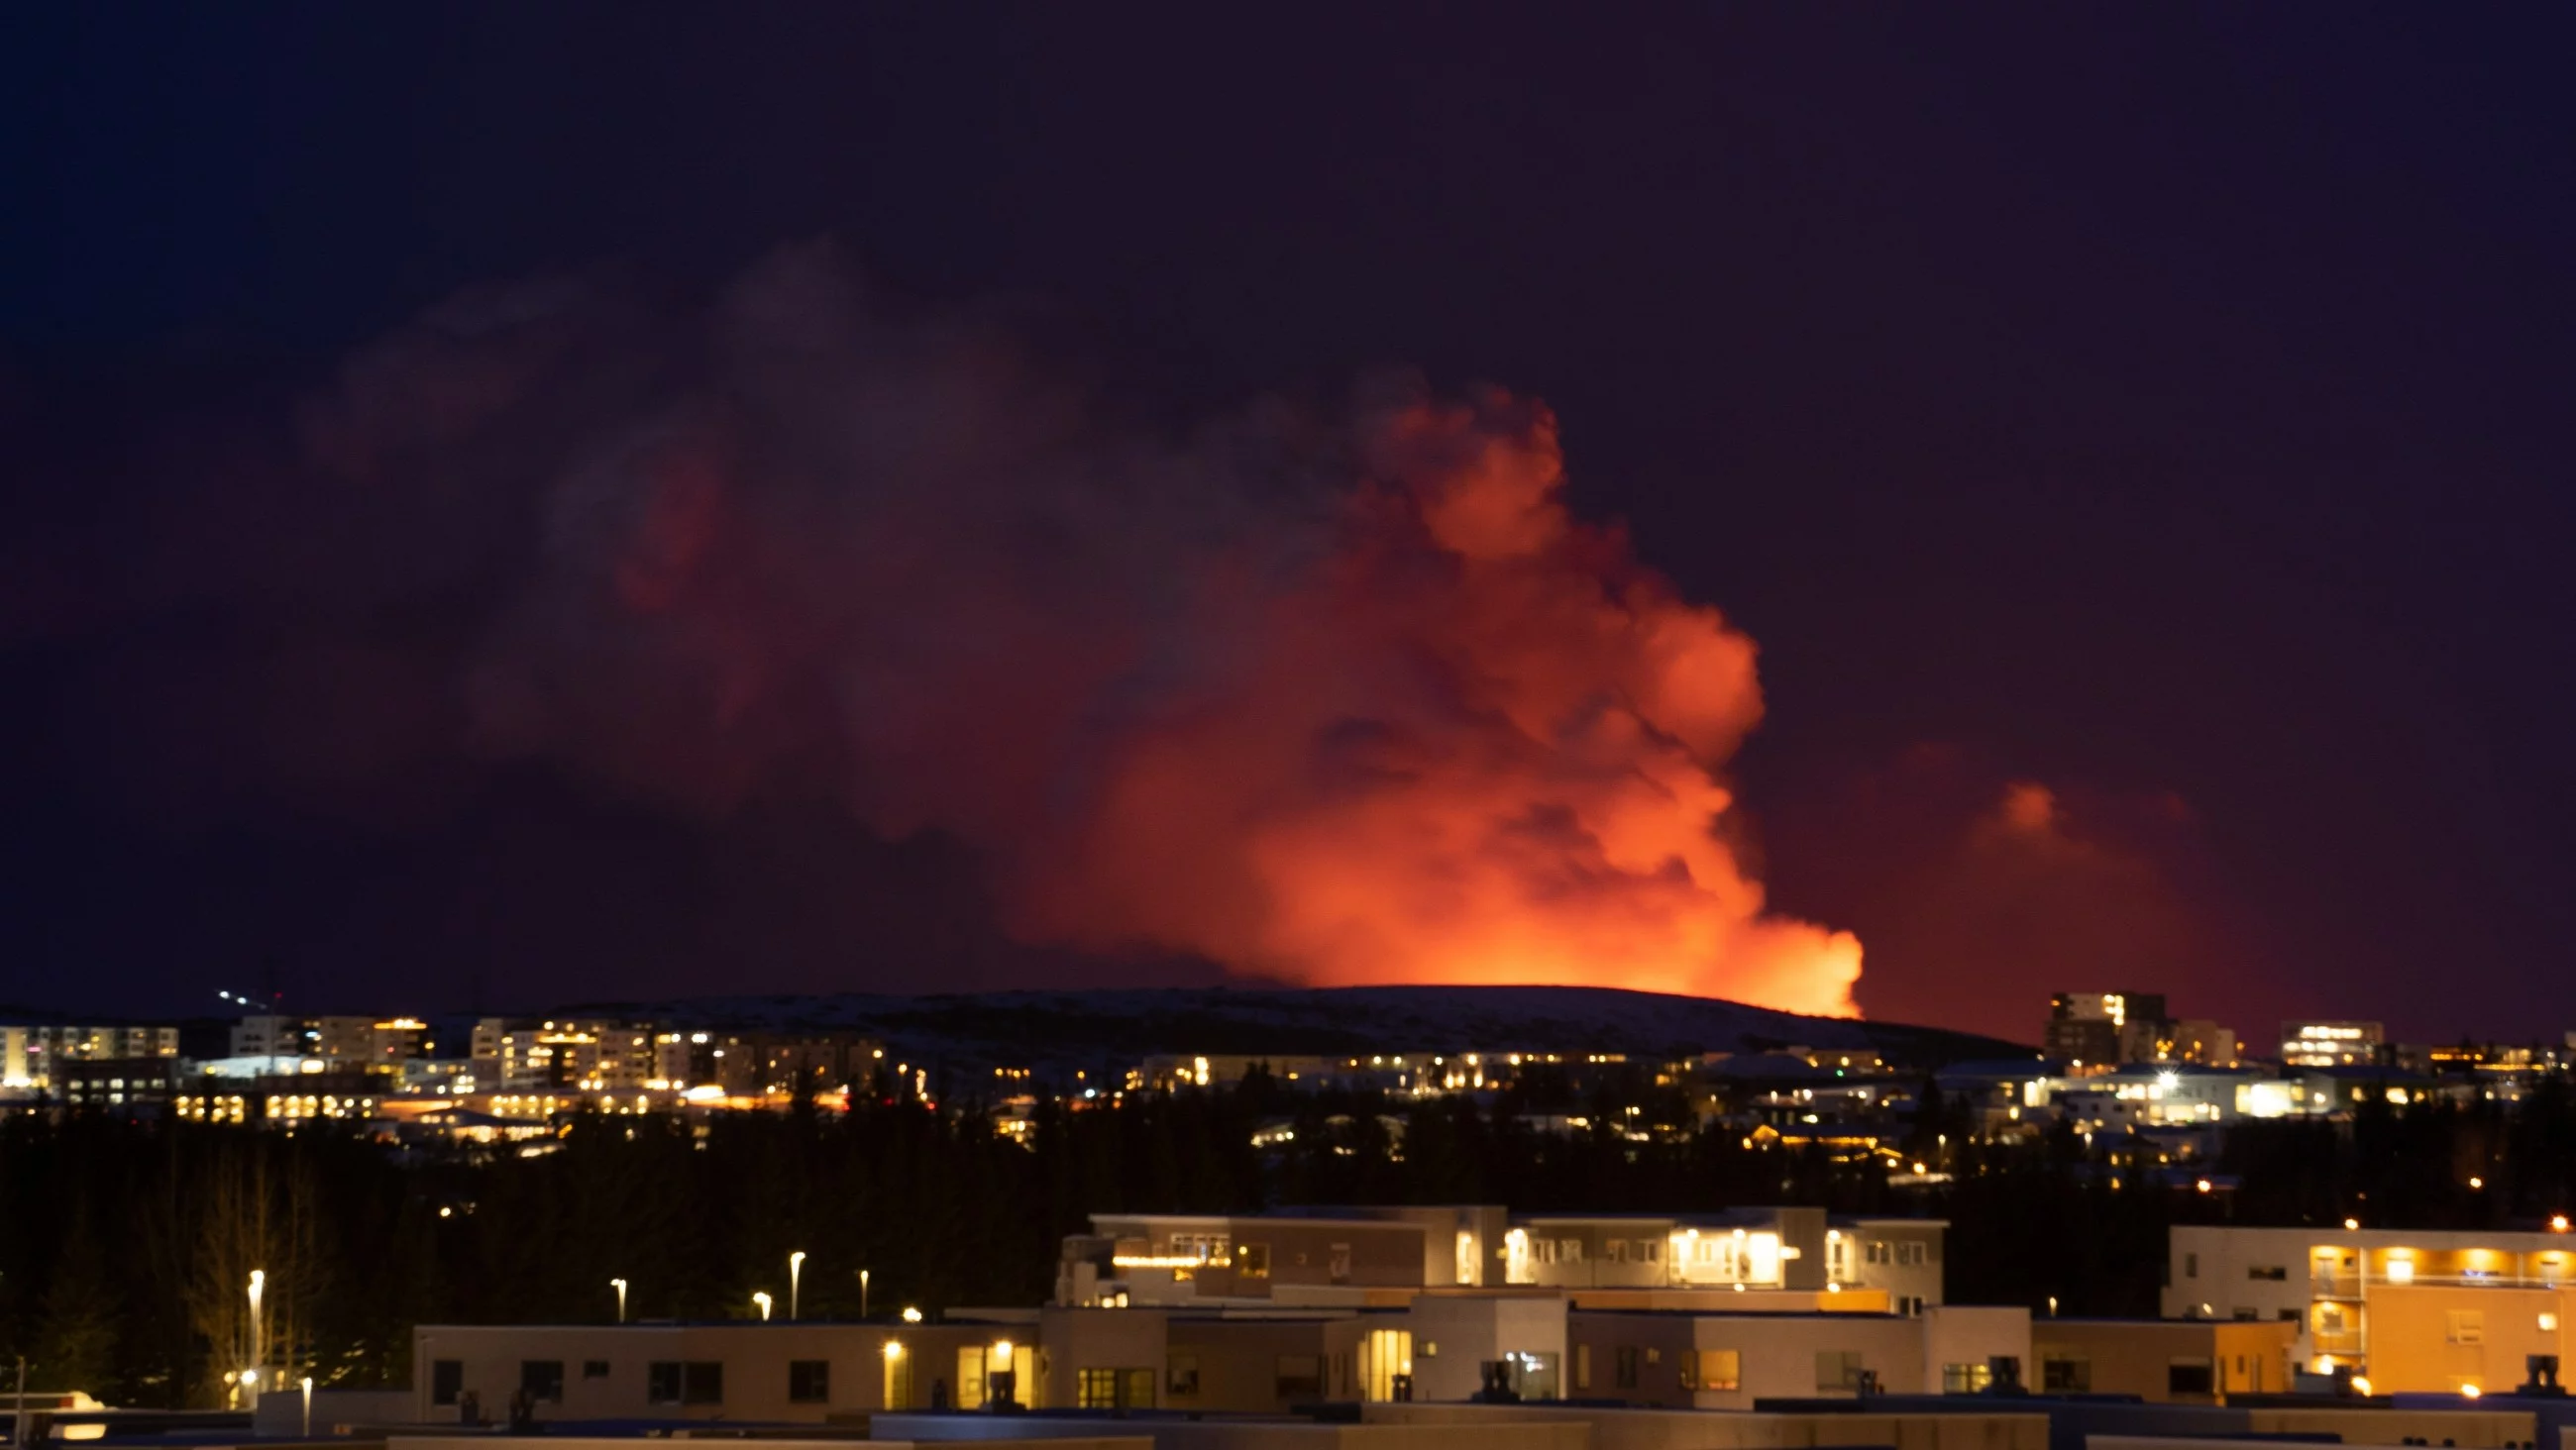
(2136, 439)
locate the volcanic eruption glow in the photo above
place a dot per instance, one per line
(1472, 745)
(1335, 701)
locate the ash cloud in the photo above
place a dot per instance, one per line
(1330, 699)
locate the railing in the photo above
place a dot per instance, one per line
(2468, 1281)
(2351, 1286)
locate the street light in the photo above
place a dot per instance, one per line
(308, 1407)
(863, 1293)
(795, 1283)
(762, 1299)
(620, 1286)
(911, 1315)
(258, 1355)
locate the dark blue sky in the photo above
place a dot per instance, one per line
(2166, 406)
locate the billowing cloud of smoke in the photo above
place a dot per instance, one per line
(1332, 701)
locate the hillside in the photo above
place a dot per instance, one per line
(1103, 1028)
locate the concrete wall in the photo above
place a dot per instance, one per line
(1454, 1334)
(1254, 1435)
(1646, 1429)
(1010, 1439)
(755, 1358)
(1974, 1335)
(2376, 1425)
(1776, 1355)
(2138, 1356)
(1073, 1340)
(1236, 1361)
(280, 1413)
(1922, 1281)
(2436, 1339)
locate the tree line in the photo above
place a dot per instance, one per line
(126, 1245)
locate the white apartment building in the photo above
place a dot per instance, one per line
(2322, 1279)
(1377, 1255)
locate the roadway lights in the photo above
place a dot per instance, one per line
(762, 1299)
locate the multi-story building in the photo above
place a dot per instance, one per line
(343, 1042)
(2333, 1283)
(2330, 1044)
(584, 1054)
(116, 1084)
(1385, 1255)
(2097, 1029)
(272, 1035)
(33, 1056)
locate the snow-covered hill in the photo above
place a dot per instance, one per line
(1062, 1030)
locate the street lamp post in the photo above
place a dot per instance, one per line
(258, 1347)
(795, 1283)
(308, 1407)
(863, 1293)
(762, 1299)
(620, 1286)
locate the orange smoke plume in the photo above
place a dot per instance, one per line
(1475, 745)
(1329, 701)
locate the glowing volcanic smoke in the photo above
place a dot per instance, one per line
(1471, 744)
(1332, 701)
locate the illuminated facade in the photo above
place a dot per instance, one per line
(32, 1055)
(2330, 1044)
(1382, 1255)
(2330, 1282)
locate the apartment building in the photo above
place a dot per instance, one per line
(2335, 1284)
(583, 1054)
(33, 1056)
(1382, 1255)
